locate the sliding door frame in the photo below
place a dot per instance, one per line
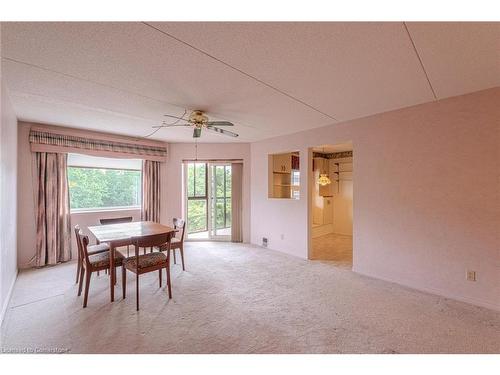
(209, 197)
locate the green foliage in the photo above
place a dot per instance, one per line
(196, 188)
(96, 188)
(197, 215)
(199, 171)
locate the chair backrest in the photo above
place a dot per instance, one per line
(83, 243)
(180, 224)
(152, 240)
(116, 220)
(78, 242)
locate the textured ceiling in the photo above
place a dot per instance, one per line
(268, 78)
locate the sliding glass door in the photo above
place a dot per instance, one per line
(220, 201)
(208, 200)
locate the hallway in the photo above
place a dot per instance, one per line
(336, 248)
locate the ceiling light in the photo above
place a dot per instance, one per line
(324, 180)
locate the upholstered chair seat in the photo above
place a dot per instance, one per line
(145, 261)
(102, 259)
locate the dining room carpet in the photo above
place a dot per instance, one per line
(238, 298)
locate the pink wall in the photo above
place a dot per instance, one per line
(26, 238)
(426, 195)
(180, 151)
(8, 199)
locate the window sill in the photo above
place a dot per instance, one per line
(78, 211)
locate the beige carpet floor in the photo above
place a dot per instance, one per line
(242, 299)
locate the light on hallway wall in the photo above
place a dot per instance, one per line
(323, 179)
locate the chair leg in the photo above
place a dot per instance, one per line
(97, 273)
(78, 266)
(159, 273)
(114, 273)
(169, 284)
(175, 260)
(87, 285)
(181, 249)
(137, 291)
(82, 272)
(128, 251)
(124, 281)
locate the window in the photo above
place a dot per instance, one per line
(197, 197)
(103, 183)
(222, 181)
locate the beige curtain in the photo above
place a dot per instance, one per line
(236, 202)
(53, 228)
(151, 191)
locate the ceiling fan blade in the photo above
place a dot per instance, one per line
(170, 125)
(220, 123)
(178, 118)
(196, 132)
(222, 131)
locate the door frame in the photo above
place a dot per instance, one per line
(310, 189)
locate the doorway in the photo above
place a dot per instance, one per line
(208, 201)
(331, 204)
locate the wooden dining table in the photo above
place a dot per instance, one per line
(117, 235)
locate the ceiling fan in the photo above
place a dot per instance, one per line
(198, 120)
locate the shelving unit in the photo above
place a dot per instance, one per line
(281, 168)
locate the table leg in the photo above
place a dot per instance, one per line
(111, 271)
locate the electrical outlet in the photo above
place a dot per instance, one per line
(264, 241)
(470, 275)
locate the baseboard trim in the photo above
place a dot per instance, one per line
(432, 290)
(7, 300)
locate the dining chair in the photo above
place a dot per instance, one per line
(93, 263)
(92, 249)
(178, 242)
(140, 264)
(118, 220)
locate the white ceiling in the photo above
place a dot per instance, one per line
(268, 78)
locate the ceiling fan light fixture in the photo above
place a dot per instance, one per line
(324, 180)
(196, 132)
(198, 120)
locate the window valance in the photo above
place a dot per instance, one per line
(64, 140)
